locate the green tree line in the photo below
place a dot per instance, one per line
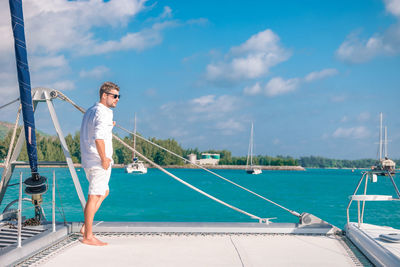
(320, 162)
(49, 149)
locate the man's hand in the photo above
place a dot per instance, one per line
(105, 163)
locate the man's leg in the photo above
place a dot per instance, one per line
(98, 204)
(90, 210)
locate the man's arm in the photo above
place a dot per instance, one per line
(101, 149)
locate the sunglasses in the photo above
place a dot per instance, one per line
(114, 95)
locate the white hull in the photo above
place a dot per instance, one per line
(254, 171)
(379, 251)
(136, 168)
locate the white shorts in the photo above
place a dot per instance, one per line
(98, 180)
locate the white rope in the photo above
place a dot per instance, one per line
(185, 183)
(209, 171)
(65, 98)
(6, 162)
(13, 137)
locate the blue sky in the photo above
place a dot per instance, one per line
(312, 75)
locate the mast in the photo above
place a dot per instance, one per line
(380, 137)
(134, 138)
(24, 81)
(386, 143)
(35, 185)
(251, 142)
(250, 149)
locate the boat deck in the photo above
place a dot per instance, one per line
(190, 244)
(379, 251)
(204, 250)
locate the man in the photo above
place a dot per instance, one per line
(96, 153)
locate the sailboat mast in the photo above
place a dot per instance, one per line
(386, 143)
(251, 142)
(249, 152)
(380, 137)
(24, 81)
(134, 138)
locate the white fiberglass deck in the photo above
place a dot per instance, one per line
(205, 250)
(374, 231)
(380, 252)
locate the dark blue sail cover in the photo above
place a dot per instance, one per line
(17, 22)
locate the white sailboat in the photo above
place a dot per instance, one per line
(250, 168)
(379, 243)
(137, 166)
(385, 164)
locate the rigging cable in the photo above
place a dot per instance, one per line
(65, 98)
(5, 105)
(209, 171)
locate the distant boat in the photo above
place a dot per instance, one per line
(385, 164)
(137, 166)
(250, 168)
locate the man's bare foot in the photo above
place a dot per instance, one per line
(93, 241)
(83, 230)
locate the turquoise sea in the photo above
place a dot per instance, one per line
(157, 197)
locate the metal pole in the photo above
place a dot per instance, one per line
(394, 184)
(363, 204)
(358, 212)
(380, 137)
(54, 201)
(64, 147)
(351, 200)
(20, 210)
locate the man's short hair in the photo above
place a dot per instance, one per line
(107, 87)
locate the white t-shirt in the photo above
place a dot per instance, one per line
(97, 123)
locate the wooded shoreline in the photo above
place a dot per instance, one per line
(187, 166)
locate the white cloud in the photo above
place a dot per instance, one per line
(316, 75)
(57, 25)
(56, 29)
(356, 50)
(204, 100)
(216, 112)
(96, 72)
(253, 90)
(212, 105)
(393, 6)
(167, 13)
(250, 60)
(354, 118)
(63, 85)
(41, 62)
(199, 21)
(9, 87)
(353, 132)
(230, 126)
(277, 86)
(138, 41)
